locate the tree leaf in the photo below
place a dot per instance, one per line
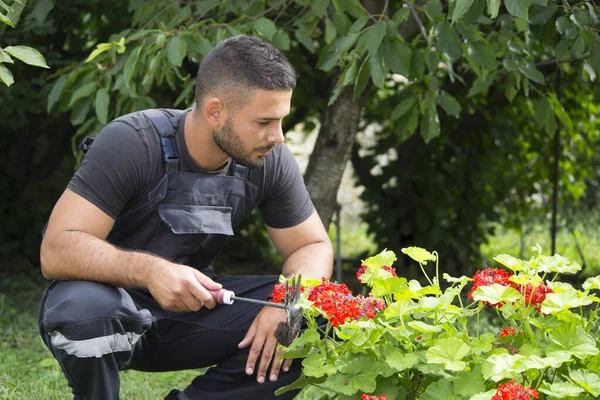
(430, 123)
(328, 59)
(6, 76)
(84, 91)
(560, 112)
(319, 7)
(352, 7)
(102, 102)
(402, 108)
(131, 65)
(397, 57)
(176, 50)
(407, 125)
(378, 70)
(518, 8)
(542, 14)
(448, 41)
(481, 85)
(449, 352)
(493, 6)
(349, 74)
(461, 7)
(281, 40)
(265, 27)
(28, 55)
(56, 92)
(449, 104)
(330, 31)
(41, 9)
(372, 37)
(362, 79)
(542, 112)
(483, 54)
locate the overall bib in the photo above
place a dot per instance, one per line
(95, 330)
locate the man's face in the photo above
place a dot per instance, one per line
(255, 129)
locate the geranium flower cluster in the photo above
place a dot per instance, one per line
(369, 397)
(514, 391)
(279, 292)
(486, 277)
(363, 268)
(335, 300)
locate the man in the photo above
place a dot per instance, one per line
(130, 242)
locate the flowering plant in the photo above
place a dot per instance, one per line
(434, 342)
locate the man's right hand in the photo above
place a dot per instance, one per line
(180, 288)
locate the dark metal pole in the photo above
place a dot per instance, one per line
(338, 246)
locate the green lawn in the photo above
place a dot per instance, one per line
(27, 369)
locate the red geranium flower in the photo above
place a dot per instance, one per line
(514, 391)
(279, 292)
(369, 397)
(507, 332)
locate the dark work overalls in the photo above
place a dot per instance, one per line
(95, 330)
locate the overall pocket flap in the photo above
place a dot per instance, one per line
(186, 219)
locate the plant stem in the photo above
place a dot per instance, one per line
(425, 273)
(437, 267)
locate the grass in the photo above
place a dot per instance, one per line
(27, 369)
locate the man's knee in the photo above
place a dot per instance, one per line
(90, 319)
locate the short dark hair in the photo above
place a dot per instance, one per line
(241, 63)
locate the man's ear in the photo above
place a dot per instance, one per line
(214, 111)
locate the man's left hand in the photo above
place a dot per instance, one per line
(264, 345)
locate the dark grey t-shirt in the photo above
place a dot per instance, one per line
(125, 163)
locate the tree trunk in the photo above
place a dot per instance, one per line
(331, 153)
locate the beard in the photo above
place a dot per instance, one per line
(229, 141)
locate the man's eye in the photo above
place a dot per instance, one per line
(264, 123)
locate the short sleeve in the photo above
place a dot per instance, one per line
(286, 202)
(114, 170)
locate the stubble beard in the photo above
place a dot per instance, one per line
(230, 143)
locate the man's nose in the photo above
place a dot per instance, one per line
(275, 136)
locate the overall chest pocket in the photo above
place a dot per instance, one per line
(185, 230)
(194, 220)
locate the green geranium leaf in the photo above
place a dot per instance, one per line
(496, 293)
(418, 254)
(356, 373)
(561, 390)
(587, 380)
(423, 327)
(553, 360)
(468, 383)
(399, 309)
(484, 344)
(316, 365)
(484, 396)
(510, 262)
(571, 298)
(449, 352)
(387, 285)
(463, 279)
(559, 286)
(526, 279)
(558, 263)
(386, 257)
(401, 361)
(301, 383)
(592, 283)
(441, 389)
(572, 339)
(503, 366)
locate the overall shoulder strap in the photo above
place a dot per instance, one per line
(166, 130)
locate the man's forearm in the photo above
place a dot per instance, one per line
(75, 255)
(312, 261)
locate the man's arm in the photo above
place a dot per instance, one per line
(307, 250)
(74, 248)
